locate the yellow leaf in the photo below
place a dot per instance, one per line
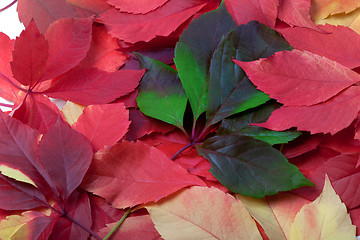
(15, 174)
(321, 9)
(202, 213)
(72, 112)
(325, 218)
(275, 214)
(12, 227)
(351, 20)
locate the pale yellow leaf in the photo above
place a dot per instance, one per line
(15, 174)
(351, 20)
(321, 9)
(202, 213)
(72, 112)
(275, 214)
(10, 227)
(326, 218)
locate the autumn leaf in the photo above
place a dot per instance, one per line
(103, 125)
(153, 175)
(316, 78)
(337, 43)
(326, 217)
(329, 117)
(189, 211)
(44, 12)
(321, 9)
(263, 11)
(275, 214)
(138, 7)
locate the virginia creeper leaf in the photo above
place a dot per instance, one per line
(67, 51)
(189, 211)
(30, 55)
(60, 150)
(36, 111)
(316, 78)
(44, 12)
(193, 54)
(230, 91)
(328, 117)
(138, 7)
(86, 8)
(7, 91)
(16, 195)
(134, 28)
(138, 227)
(249, 166)
(324, 8)
(17, 148)
(78, 208)
(103, 124)
(103, 53)
(244, 11)
(296, 13)
(161, 94)
(132, 173)
(337, 43)
(326, 217)
(276, 213)
(93, 86)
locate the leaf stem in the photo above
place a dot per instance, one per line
(12, 83)
(113, 230)
(83, 227)
(6, 7)
(182, 149)
(6, 105)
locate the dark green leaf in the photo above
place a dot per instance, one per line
(193, 54)
(240, 125)
(161, 94)
(230, 91)
(250, 167)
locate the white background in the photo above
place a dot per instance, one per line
(10, 25)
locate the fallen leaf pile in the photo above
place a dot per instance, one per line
(195, 119)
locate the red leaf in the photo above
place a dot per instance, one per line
(44, 12)
(103, 125)
(337, 43)
(86, 8)
(134, 228)
(16, 195)
(137, 7)
(29, 56)
(103, 53)
(17, 148)
(103, 213)
(302, 78)
(132, 173)
(7, 90)
(70, 49)
(93, 86)
(65, 156)
(40, 227)
(244, 11)
(134, 28)
(328, 117)
(78, 208)
(355, 218)
(37, 111)
(296, 13)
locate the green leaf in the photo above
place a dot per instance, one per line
(271, 137)
(250, 167)
(240, 125)
(161, 94)
(230, 90)
(193, 54)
